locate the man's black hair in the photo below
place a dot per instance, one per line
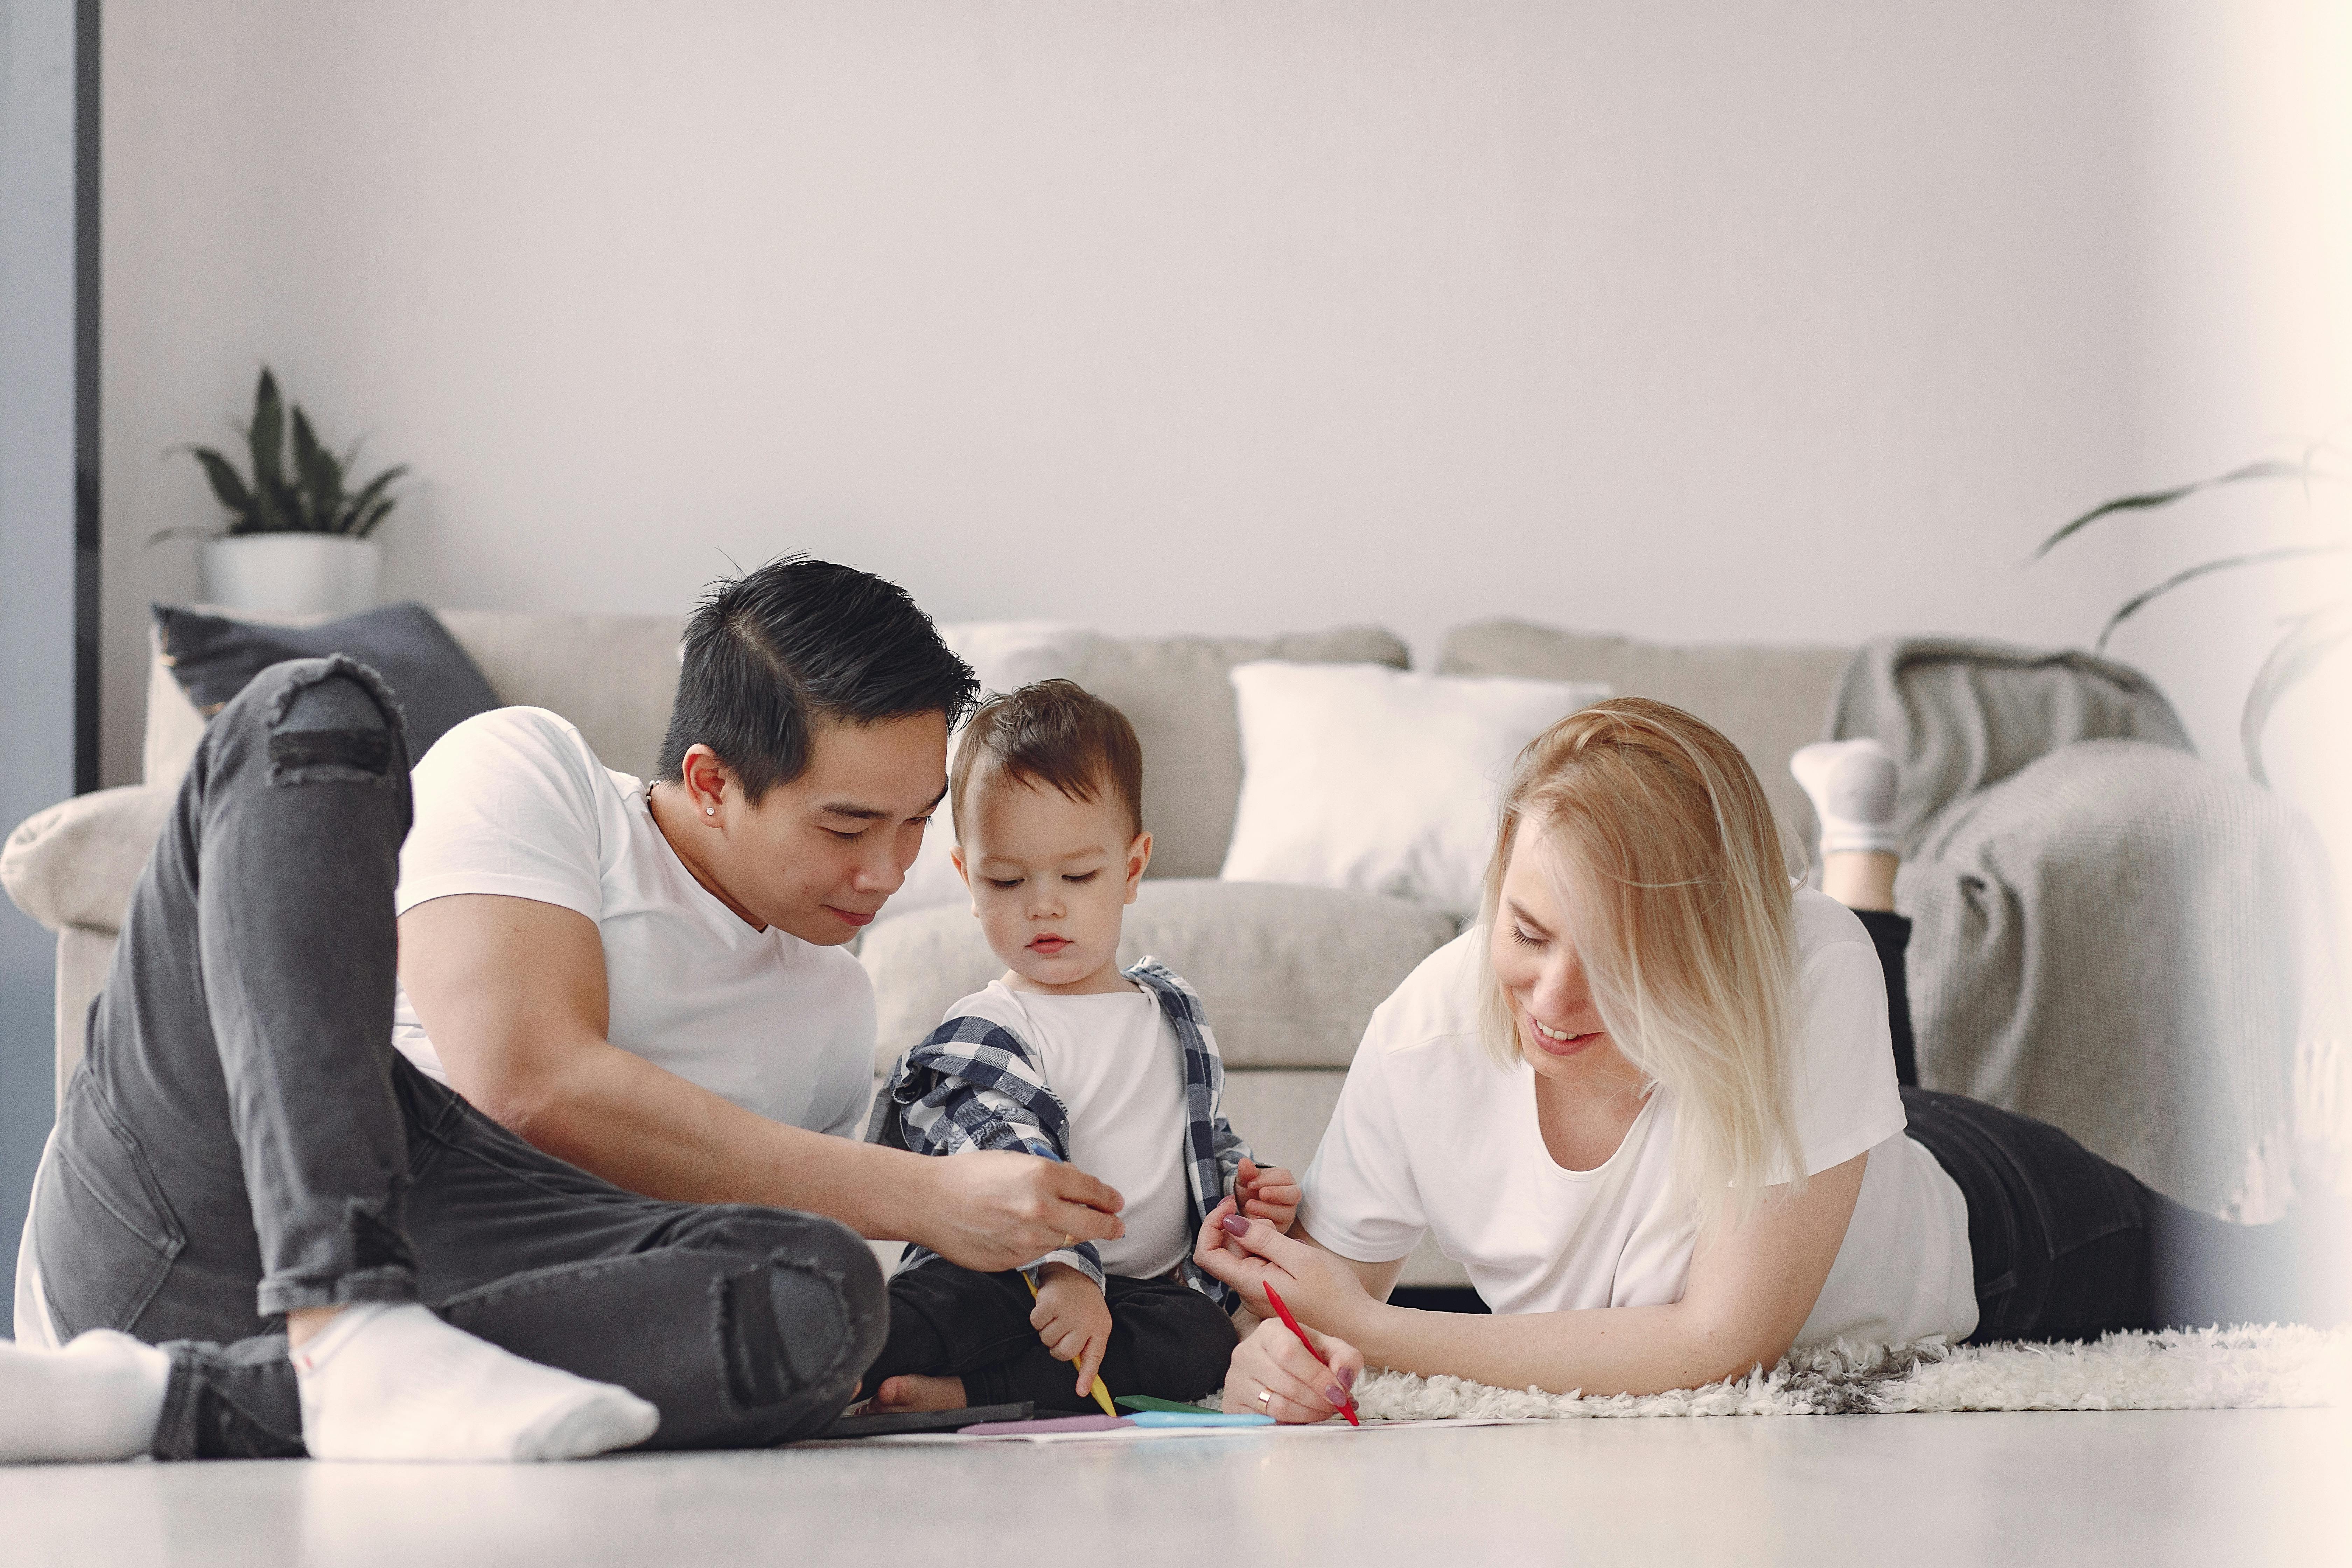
(777, 651)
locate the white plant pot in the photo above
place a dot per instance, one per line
(290, 574)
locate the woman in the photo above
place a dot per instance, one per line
(1651, 1103)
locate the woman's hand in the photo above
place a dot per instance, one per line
(1268, 1193)
(1318, 1287)
(1295, 1385)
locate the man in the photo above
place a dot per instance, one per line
(640, 994)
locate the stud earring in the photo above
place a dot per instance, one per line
(710, 811)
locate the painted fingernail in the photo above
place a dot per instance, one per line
(1336, 1394)
(1234, 1225)
(1347, 1376)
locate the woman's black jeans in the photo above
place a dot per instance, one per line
(2068, 1245)
(242, 1141)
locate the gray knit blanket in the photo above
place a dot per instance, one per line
(2109, 934)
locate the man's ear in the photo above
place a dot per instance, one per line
(708, 785)
(1139, 856)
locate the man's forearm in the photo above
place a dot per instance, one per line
(611, 1113)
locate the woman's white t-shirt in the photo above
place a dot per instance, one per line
(1114, 1062)
(513, 802)
(1432, 1135)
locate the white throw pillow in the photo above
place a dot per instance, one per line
(1006, 656)
(1386, 781)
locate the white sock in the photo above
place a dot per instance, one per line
(1852, 784)
(97, 1398)
(383, 1381)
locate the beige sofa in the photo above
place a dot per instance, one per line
(1290, 975)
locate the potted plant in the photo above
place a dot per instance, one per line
(2305, 640)
(297, 540)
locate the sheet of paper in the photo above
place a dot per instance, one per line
(1162, 1434)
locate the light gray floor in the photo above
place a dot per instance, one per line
(2199, 1487)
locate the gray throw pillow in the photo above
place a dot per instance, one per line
(213, 656)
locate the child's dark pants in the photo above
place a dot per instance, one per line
(1165, 1340)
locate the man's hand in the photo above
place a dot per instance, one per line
(1267, 1193)
(512, 992)
(1073, 1319)
(997, 1209)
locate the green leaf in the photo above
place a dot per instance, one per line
(2309, 639)
(277, 510)
(228, 485)
(267, 434)
(182, 532)
(2141, 601)
(2271, 469)
(305, 440)
(367, 520)
(322, 476)
(367, 500)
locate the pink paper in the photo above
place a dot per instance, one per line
(1051, 1424)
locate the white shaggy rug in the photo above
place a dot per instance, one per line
(2202, 1369)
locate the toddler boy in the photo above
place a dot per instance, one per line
(1072, 1058)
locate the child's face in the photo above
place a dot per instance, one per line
(1049, 876)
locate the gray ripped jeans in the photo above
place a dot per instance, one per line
(242, 1140)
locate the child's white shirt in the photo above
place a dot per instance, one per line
(1114, 1062)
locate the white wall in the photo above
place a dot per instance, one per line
(1788, 322)
(2244, 349)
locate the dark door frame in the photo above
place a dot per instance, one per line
(87, 409)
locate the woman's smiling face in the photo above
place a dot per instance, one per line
(1560, 1029)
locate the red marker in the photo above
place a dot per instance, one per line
(1347, 1406)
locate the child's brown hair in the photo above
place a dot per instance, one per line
(1054, 732)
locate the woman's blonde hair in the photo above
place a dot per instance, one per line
(1675, 878)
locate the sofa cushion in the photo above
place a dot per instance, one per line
(1289, 976)
(1005, 656)
(84, 957)
(76, 863)
(213, 657)
(1281, 1112)
(1768, 699)
(614, 676)
(1356, 775)
(1177, 694)
(174, 728)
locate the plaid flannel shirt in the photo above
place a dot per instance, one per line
(974, 1084)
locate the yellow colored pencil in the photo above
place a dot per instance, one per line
(1102, 1394)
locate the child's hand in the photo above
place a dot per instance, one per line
(1270, 1194)
(1073, 1320)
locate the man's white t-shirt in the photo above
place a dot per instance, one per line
(513, 802)
(1432, 1135)
(1114, 1062)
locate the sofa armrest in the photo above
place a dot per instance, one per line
(76, 863)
